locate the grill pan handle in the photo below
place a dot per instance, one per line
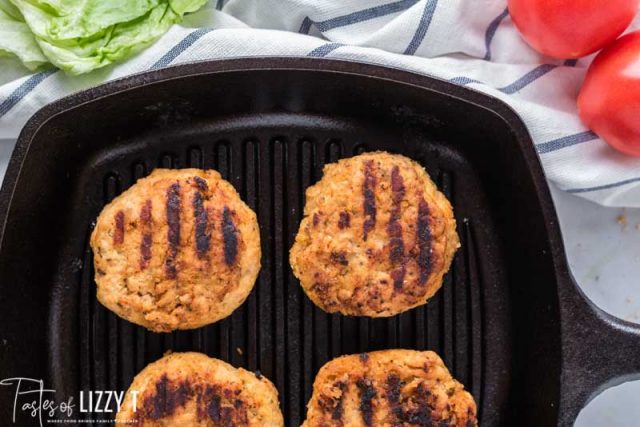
(598, 351)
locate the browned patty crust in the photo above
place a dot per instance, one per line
(389, 388)
(191, 389)
(376, 239)
(177, 250)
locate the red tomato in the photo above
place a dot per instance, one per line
(571, 28)
(609, 100)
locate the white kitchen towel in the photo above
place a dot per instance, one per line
(470, 43)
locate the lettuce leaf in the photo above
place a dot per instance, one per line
(79, 36)
(16, 39)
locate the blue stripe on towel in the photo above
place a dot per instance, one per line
(423, 27)
(23, 90)
(324, 50)
(463, 81)
(528, 78)
(491, 32)
(180, 47)
(604, 187)
(567, 141)
(357, 16)
(305, 27)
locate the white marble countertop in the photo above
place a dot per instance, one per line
(603, 247)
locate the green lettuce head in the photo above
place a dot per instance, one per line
(79, 36)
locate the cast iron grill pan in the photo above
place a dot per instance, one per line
(269, 126)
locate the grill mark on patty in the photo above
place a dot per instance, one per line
(338, 409)
(211, 402)
(394, 229)
(397, 276)
(419, 412)
(168, 397)
(367, 394)
(147, 239)
(393, 390)
(344, 221)
(369, 194)
(241, 413)
(118, 235)
(339, 258)
(331, 405)
(173, 233)
(230, 237)
(200, 214)
(213, 408)
(424, 242)
(201, 183)
(214, 402)
(208, 403)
